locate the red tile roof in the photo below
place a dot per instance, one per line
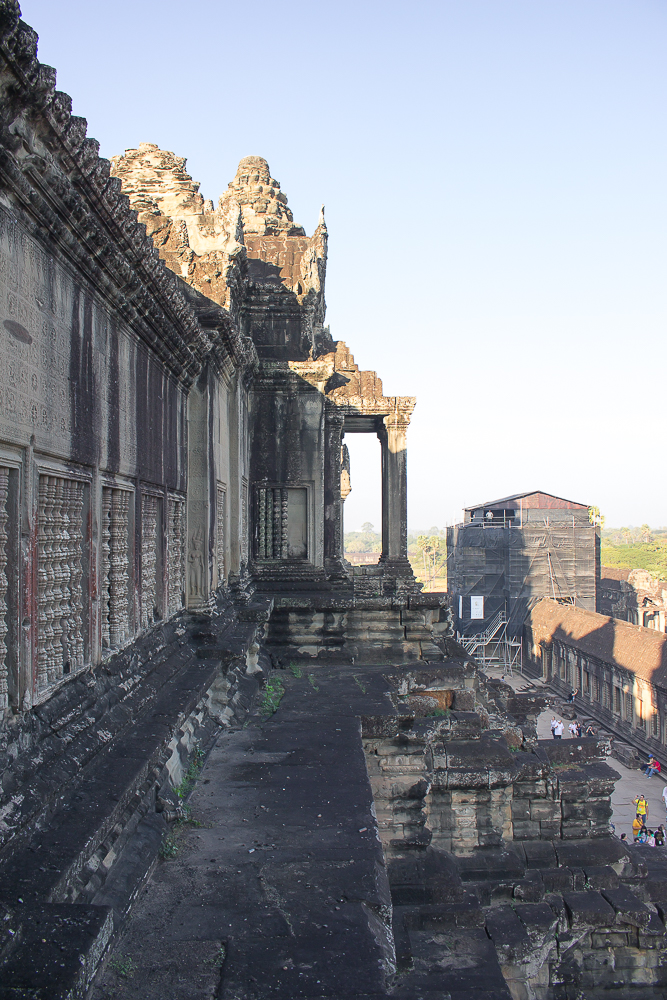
(536, 499)
(614, 573)
(642, 651)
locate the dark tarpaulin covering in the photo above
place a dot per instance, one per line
(472, 537)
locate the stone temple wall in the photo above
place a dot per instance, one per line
(115, 379)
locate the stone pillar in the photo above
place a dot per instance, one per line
(333, 504)
(198, 568)
(392, 437)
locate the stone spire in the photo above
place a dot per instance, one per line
(264, 206)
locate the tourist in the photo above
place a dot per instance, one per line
(579, 730)
(573, 695)
(643, 835)
(590, 730)
(554, 723)
(651, 767)
(573, 729)
(650, 838)
(624, 838)
(642, 808)
(664, 797)
(558, 730)
(636, 827)
(660, 836)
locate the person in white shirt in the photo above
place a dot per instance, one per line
(558, 731)
(554, 723)
(573, 729)
(664, 796)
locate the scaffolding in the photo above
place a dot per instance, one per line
(494, 647)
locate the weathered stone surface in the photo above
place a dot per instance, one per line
(588, 909)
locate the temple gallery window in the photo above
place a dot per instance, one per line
(617, 700)
(628, 706)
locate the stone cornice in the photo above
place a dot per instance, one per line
(55, 174)
(230, 351)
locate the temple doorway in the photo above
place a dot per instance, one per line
(362, 510)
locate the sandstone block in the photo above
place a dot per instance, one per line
(601, 877)
(539, 855)
(545, 810)
(609, 939)
(629, 909)
(550, 830)
(526, 830)
(508, 934)
(588, 908)
(521, 809)
(653, 935)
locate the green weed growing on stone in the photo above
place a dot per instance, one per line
(169, 846)
(295, 669)
(123, 966)
(273, 693)
(218, 960)
(311, 678)
(192, 773)
(439, 713)
(359, 684)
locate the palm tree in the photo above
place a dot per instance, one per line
(434, 545)
(595, 517)
(423, 543)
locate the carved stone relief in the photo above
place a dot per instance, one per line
(60, 572)
(176, 553)
(244, 519)
(116, 579)
(150, 524)
(220, 532)
(4, 538)
(196, 561)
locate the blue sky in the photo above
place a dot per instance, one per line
(494, 179)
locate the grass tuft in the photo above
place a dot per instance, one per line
(273, 693)
(192, 773)
(123, 966)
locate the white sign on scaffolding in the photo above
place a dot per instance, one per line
(476, 607)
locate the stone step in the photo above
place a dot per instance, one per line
(58, 948)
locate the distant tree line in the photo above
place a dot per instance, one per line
(636, 548)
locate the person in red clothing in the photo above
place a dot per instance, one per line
(652, 767)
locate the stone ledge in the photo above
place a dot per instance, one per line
(101, 840)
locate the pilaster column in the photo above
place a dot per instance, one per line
(198, 549)
(333, 504)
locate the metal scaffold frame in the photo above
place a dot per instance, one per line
(494, 647)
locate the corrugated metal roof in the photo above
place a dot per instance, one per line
(519, 496)
(642, 651)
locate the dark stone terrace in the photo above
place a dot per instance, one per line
(286, 872)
